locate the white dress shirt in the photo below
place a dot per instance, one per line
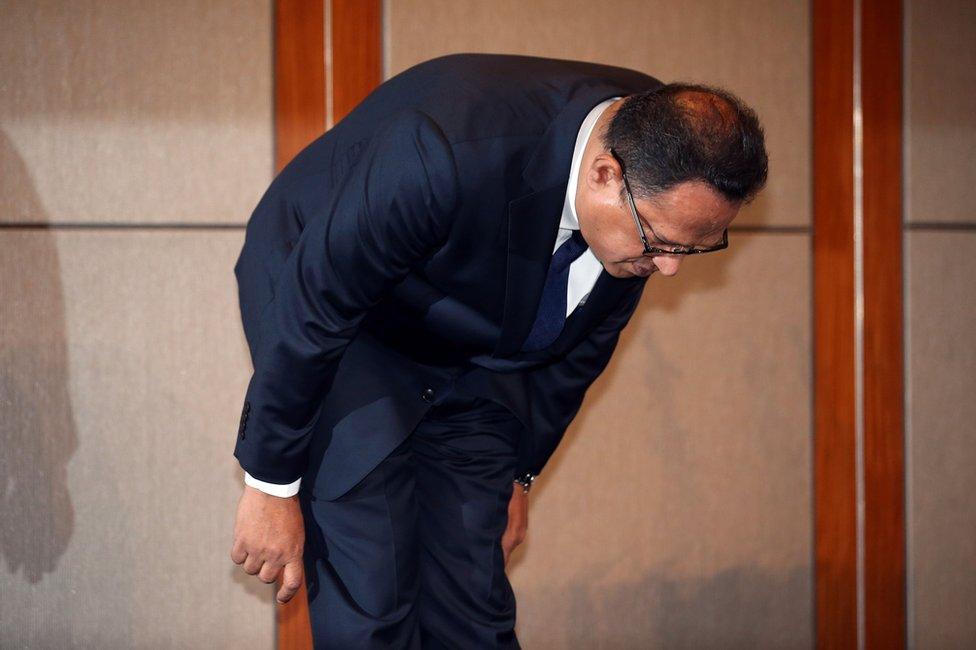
(583, 272)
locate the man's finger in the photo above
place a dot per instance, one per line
(237, 552)
(269, 572)
(291, 582)
(292, 578)
(252, 564)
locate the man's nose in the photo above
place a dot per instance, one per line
(667, 264)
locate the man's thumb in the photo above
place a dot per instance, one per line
(291, 581)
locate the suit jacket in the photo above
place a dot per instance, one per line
(403, 253)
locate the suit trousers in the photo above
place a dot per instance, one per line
(411, 556)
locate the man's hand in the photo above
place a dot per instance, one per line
(518, 521)
(269, 536)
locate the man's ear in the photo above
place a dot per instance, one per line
(603, 172)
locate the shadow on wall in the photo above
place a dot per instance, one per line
(740, 607)
(37, 430)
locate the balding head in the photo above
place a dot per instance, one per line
(689, 132)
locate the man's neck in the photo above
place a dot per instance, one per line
(594, 145)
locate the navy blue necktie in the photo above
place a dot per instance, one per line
(551, 316)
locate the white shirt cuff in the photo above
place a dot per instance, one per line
(274, 489)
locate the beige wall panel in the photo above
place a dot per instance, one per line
(123, 369)
(134, 111)
(941, 116)
(677, 512)
(759, 49)
(941, 444)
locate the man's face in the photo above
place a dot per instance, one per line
(691, 213)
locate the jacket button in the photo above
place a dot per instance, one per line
(427, 395)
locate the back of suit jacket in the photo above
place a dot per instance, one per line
(403, 253)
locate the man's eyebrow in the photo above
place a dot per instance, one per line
(661, 239)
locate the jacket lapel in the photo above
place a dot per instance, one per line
(533, 223)
(606, 293)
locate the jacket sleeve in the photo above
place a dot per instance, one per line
(392, 209)
(557, 390)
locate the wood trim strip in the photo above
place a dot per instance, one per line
(357, 53)
(299, 76)
(835, 522)
(835, 325)
(884, 467)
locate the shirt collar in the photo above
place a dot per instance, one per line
(569, 219)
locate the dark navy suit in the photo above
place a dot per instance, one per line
(397, 262)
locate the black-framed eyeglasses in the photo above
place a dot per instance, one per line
(664, 249)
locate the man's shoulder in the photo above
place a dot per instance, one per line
(454, 81)
(507, 68)
(470, 98)
(475, 96)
